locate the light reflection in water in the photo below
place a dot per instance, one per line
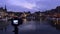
(25, 20)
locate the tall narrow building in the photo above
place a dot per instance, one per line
(5, 8)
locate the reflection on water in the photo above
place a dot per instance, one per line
(35, 21)
(24, 20)
(29, 21)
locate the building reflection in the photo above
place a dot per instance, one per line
(24, 20)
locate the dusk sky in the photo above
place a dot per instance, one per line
(29, 5)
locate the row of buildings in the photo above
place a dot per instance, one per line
(9, 14)
(48, 13)
(54, 12)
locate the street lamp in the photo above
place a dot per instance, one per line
(16, 22)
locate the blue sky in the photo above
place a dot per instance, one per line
(32, 5)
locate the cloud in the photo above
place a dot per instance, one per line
(33, 4)
(47, 4)
(22, 3)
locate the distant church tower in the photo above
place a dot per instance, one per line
(5, 8)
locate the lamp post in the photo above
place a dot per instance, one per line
(16, 22)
